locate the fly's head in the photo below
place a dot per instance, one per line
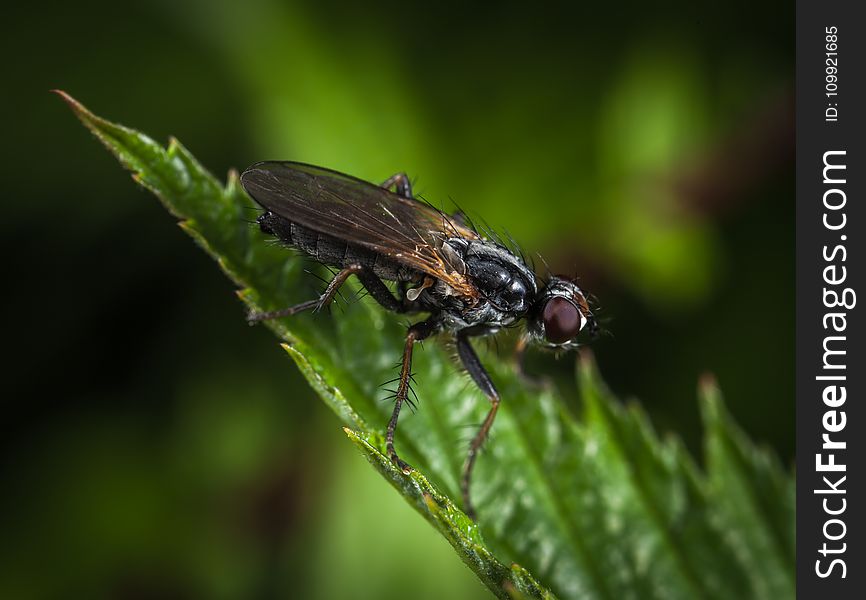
(558, 315)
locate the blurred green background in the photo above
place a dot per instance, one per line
(156, 446)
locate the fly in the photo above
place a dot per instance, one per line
(468, 285)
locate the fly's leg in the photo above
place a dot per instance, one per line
(482, 379)
(378, 290)
(415, 333)
(400, 182)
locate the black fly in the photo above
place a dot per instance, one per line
(469, 285)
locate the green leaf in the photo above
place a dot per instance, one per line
(597, 508)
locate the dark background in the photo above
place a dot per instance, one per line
(157, 446)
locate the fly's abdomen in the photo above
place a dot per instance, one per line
(330, 250)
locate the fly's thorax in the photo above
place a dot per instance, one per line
(505, 287)
(500, 277)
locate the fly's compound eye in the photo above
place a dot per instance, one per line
(562, 320)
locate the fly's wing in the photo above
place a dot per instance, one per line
(407, 231)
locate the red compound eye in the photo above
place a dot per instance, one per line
(562, 320)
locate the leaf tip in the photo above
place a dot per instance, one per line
(233, 183)
(586, 364)
(710, 399)
(75, 104)
(589, 381)
(707, 382)
(86, 117)
(134, 150)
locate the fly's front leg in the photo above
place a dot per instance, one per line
(482, 379)
(401, 184)
(416, 333)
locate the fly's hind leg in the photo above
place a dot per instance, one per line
(416, 333)
(482, 379)
(378, 290)
(401, 184)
